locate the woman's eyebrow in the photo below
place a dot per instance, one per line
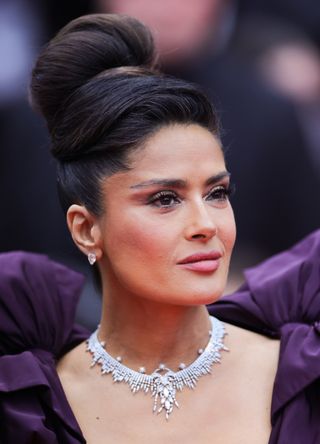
(178, 183)
(217, 177)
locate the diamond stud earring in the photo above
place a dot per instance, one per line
(92, 258)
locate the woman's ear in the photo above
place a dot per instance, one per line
(84, 230)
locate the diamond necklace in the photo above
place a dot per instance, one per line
(163, 382)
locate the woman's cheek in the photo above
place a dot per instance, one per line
(136, 239)
(228, 230)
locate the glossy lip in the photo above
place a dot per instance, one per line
(202, 262)
(197, 257)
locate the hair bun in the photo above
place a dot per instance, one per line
(84, 48)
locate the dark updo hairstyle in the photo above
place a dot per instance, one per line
(97, 85)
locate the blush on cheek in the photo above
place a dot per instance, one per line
(230, 239)
(138, 239)
(229, 231)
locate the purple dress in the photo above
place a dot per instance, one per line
(280, 299)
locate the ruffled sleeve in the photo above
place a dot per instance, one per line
(281, 299)
(38, 298)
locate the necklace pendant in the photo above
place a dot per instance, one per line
(164, 394)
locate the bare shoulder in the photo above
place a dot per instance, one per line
(250, 339)
(73, 364)
(252, 351)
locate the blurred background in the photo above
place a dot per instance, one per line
(258, 61)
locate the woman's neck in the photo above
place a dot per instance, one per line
(146, 333)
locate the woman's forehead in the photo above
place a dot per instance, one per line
(177, 145)
(172, 156)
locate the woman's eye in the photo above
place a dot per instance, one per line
(164, 199)
(220, 193)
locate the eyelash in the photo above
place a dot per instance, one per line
(224, 192)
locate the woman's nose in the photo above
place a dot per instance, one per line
(200, 224)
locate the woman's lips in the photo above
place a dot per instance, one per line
(201, 262)
(202, 266)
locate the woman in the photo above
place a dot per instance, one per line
(143, 180)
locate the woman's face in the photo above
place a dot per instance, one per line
(171, 205)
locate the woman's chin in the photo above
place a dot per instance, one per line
(207, 299)
(198, 298)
